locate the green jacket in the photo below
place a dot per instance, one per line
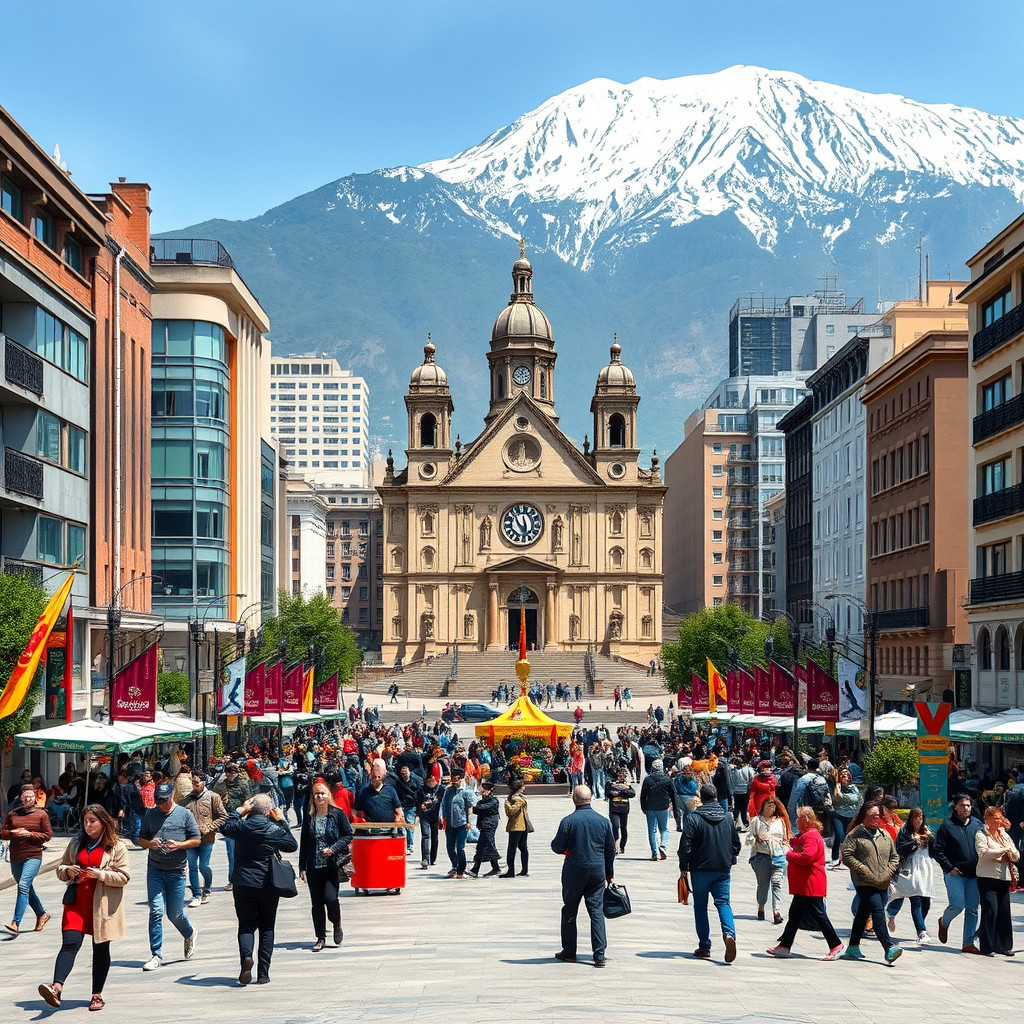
(871, 857)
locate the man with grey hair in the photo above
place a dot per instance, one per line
(657, 795)
(584, 838)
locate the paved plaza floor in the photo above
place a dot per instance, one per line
(480, 950)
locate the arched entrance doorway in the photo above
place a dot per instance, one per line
(530, 608)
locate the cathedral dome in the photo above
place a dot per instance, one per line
(616, 376)
(428, 376)
(522, 317)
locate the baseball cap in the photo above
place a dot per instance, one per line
(165, 791)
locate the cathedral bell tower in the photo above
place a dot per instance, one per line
(429, 407)
(614, 407)
(522, 355)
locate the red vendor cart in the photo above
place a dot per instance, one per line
(378, 858)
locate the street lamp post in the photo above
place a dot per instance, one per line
(114, 623)
(871, 632)
(197, 634)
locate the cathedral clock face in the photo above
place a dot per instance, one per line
(521, 525)
(521, 375)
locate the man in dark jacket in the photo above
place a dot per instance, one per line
(619, 794)
(657, 795)
(957, 855)
(408, 786)
(584, 838)
(708, 849)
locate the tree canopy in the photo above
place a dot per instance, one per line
(303, 621)
(710, 633)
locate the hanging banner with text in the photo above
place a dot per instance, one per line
(326, 695)
(133, 695)
(933, 759)
(255, 691)
(272, 688)
(291, 694)
(747, 692)
(823, 703)
(762, 692)
(698, 693)
(232, 689)
(58, 670)
(783, 691)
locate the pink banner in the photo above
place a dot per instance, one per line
(133, 693)
(762, 692)
(272, 688)
(698, 693)
(732, 684)
(291, 695)
(822, 695)
(325, 696)
(255, 691)
(783, 687)
(747, 693)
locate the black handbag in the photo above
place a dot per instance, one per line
(282, 877)
(68, 898)
(616, 901)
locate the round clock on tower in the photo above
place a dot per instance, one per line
(522, 524)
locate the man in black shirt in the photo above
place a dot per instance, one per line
(378, 801)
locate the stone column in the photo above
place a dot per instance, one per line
(492, 618)
(551, 619)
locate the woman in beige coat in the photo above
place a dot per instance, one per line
(95, 863)
(996, 855)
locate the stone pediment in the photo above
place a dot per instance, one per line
(523, 447)
(524, 565)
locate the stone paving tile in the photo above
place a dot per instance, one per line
(481, 951)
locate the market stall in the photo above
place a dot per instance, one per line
(524, 720)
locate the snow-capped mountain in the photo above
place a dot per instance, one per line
(766, 145)
(648, 208)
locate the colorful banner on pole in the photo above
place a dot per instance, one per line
(57, 674)
(718, 695)
(748, 688)
(272, 688)
(16, 690)
(853, 697)
(762, 692)
(307, 690)
(822, 694)
(133, 696)
(254, 698)
(933, 758)
(326, 696)
(783, 691)
(291, 694)
(232, 690)
(699, 693)
(733, 689)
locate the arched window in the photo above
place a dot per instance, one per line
(616, 431)
(615, 557)
(1003, 647)
(396, 559)
(543, 384)
(646, 558)
(1018, 648)
(616, 524)
(428, 430)
(428, 558)
(984, 649)
(499, 385)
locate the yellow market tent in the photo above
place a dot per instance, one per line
(523, 719)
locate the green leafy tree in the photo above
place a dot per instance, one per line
(21, 603)
(710, 633)
(892, 762)
(303, 621)
(173, 689)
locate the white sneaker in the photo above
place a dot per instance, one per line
(924, 938)
(190, 943)
(196, 901)
(153, 963)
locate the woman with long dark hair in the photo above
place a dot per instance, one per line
(914, 846)
(326, 836)
(95, 862)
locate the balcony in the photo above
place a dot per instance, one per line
(999, 332)
(1002, 417)
(204, 252)
(23, 474)
(23, 368)
(19, 567)
(998, 505)
(1005, 587)
(903, 618)
(742, 542)
(741, 499)
(741, 456)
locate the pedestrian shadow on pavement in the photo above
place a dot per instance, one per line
(666, 954)
(44, 1012)
(207, 982)
(536, 960)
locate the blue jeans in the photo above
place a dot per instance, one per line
(962, 894)
(229, 846)
(165, 891)
(840, 826)
(199, 863)
(132, 825)
(24, 871)
(919, 907)
(455, 840)
(410, 837)
(600, 781)
(657, 830)
(715, 885)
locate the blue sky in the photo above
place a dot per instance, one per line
(229, 107)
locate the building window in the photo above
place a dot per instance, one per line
(44, 229)
(716, 557)
(72, 254)
(994, 476)
(716, 492)
(716, 470)
(616, 431)
(996, 392)
(997, 307)
(49, 540)
(10, 198)
(716, 581)
(716, 513)
(716, 535)
(428, 431)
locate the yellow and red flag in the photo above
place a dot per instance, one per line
(717, 692)
(18, 685)
(307, 691)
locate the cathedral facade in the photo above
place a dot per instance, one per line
(521, 518)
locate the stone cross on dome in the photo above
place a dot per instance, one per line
(522, 248)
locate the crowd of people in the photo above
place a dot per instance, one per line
(723, 792)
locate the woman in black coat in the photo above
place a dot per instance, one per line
(325, 838)
(486, 810)
(259, 832)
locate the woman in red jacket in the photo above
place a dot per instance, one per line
(808, 885)
(762, 786)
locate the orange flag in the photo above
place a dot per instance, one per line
(307, 691)
(18, 685)
(717, 692)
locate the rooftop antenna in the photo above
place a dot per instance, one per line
(920, 271)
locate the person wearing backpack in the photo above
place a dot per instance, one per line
(810, 790)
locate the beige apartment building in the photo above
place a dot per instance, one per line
(995, 470)
(916, 459)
